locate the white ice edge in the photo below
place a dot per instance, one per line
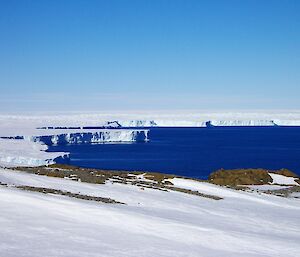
(26, 125)
(12, 125)
(15, 152)
(57, 137)
(31, 151)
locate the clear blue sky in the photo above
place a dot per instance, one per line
(102, 55)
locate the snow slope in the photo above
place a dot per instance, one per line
(153, 223)
(282, 180)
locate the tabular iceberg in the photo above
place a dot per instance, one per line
(197, 123)
(237, 123)
(30, 150)
(137, 123)
(93, 137)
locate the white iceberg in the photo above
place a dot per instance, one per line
(31, 150)
(237, 123)
(86, 137)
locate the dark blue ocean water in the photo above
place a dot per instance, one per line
(195, 152)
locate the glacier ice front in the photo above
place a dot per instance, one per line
(32, 150)
(238, 123)
(199, 123)
(90, 137)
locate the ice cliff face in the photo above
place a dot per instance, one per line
(183, 123)
(203, 123)
(137, 123)
(31, 150)
(287, 122)
(160, 123)
(230, 123)
(93, 137)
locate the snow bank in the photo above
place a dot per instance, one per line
(204, 187)
(282, 180)
(267, 187)
(18, 152)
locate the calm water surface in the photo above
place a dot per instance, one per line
(195, 152)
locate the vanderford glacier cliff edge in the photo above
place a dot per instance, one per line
(92, 137)
(31, 150)
(206, 123)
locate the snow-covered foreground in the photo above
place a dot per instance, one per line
(152, 223)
